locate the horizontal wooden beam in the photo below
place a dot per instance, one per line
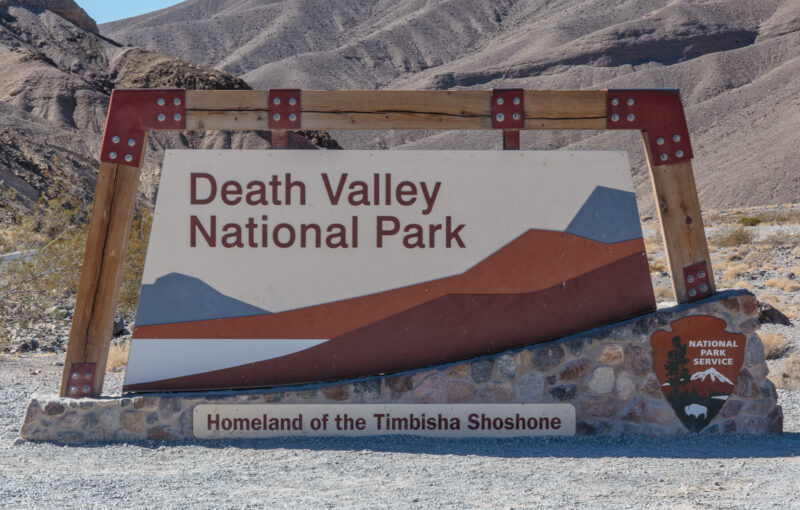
(392, 109)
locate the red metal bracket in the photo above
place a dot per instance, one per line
(508, 108)
(696, 278)
(657, 112)
(284, 108)
(81, 379)
(133, 112)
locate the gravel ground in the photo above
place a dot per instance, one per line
(688, 472)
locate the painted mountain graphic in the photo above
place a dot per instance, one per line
(177, 297)
(712, 375)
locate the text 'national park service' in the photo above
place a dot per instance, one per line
(257, 231)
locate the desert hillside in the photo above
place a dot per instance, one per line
(735, 61)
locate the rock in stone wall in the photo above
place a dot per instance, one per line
(606, 373)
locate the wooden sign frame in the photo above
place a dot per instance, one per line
(658, 114)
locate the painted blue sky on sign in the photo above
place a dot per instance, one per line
(103, 11)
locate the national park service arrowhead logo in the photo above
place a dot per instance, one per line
(697, 364)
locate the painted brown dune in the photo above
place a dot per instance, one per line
(534, 261)
(447, 329)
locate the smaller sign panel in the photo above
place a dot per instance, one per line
(698, 364)
(454, 421)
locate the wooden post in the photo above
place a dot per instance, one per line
(101, 273)
(681, 221)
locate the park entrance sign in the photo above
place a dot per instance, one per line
(280, 267)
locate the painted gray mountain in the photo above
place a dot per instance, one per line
(177, 297)
(736, 62)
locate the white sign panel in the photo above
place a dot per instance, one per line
(457, 420)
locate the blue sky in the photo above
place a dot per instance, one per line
(104, 11)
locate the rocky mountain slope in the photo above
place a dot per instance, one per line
(58, 72)
(735, 61)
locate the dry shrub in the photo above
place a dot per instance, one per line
(788, 376)
(735, 271)
(749, 221)
(731, 236)
(796, 252)
(792, 287)
(796, 270)
(657, 266)
(663, 293)
(775, 344)
(782, 239)
(118, 357)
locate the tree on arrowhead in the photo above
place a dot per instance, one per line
(677, 373)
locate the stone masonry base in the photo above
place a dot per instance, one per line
(606, 373)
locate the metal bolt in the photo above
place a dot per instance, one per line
(676, 138)
(679, 153)
(664, 156)
(73, 389)
(701, 274)
(162, 117)
(516, 115)
(614, 118)
(115, 139)
(277, 116)
(500, 117)
(631, 117)
(692, 292)
(161, 101)
(131, 142)
(86, 389)
(690, 278)
(88, 375)
(615, 101)
(515, 100)
(703, 288)
(499, 100)
(128, 158)
(292, 101)
(176, 101)
(177, 117)
(276, 100)
(630, 101)
(112, 155)
(292, 117)
(660, 141)
(75, 375)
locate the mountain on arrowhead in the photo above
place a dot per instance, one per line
(712, 374)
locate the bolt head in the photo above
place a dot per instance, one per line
(690, 278)
(112, 155)
(162, 117)
(75, 375)
(73, 389)
(679, 153)
(676, 138)
(161, 101)
(115, 139)
(631, 117)
(692, 292)
(86, 389)
(615, 101)
(664, 156)
(128, 158)
(515, 100)
(499, 100)
(701, 274)
(500, 117)
(131, 142)
(88, 375)
(176, 101)
(276, 100)
(614, 118)
(660, 141)
(630, 101)
(292, 101)
(277, 116)
(516, 116)
(703, 288)
(177, 117)
(292, 117)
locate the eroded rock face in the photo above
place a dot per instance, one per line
(67, 9)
